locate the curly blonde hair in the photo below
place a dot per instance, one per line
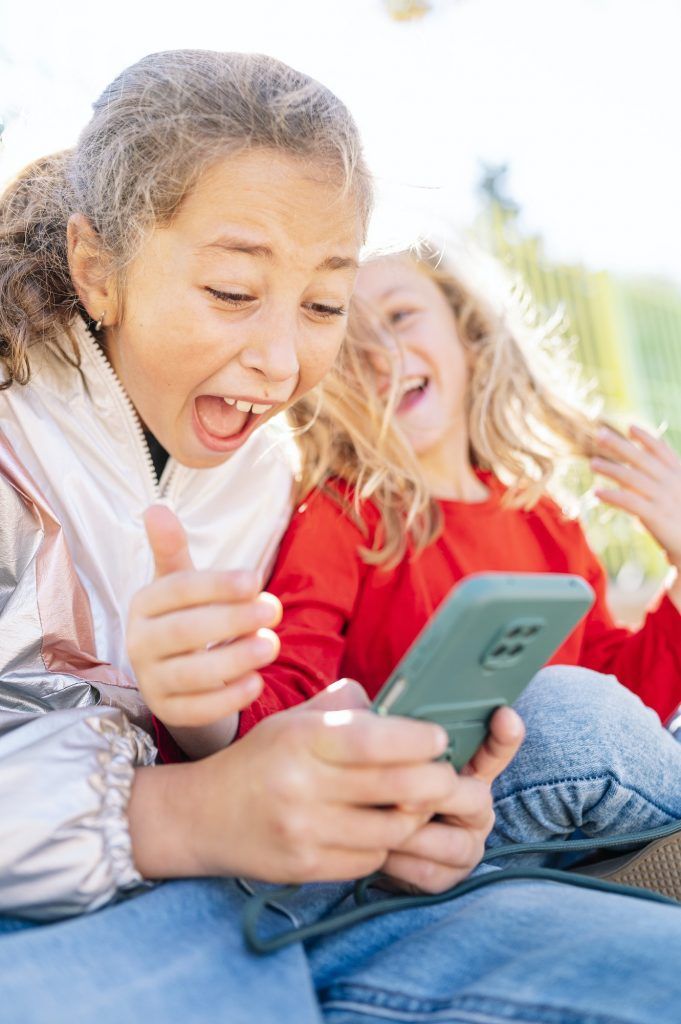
(153, 131)
(521, 424)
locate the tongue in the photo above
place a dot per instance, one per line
(218, 418)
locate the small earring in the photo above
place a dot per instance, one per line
(98, 325)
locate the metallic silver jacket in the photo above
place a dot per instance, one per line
(75, 478)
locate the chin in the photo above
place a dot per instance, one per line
(194, 459)
(208, 461)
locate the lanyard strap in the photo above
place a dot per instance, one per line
(364, 909)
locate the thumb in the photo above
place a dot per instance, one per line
(506, 733)
(168, 540)
(343, 695)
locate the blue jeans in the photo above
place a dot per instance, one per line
(594, 759)
(529, 953)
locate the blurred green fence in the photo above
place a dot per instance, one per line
(628, 340)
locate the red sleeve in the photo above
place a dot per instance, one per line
(317, 577)
(648, 660)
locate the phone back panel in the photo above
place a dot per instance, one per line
(482, 647)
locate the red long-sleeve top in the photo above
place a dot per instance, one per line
(343, 617)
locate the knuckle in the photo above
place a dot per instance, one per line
(289, 785)
(288, 732)
(231, 660)
(398, 781)
(426, 875)
(183, 633)
(445, 781)
(305, 863)
(398, 830)
(355, 691)
(372, 861)
(484, 795)
(470, 848)
(362, 740)
(480, 794)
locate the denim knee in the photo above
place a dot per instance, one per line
(582, 721)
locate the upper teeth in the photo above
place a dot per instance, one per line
(247, 406)
(411, 384)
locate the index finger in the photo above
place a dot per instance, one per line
(194, 588)
(506, 733)
(357, 737)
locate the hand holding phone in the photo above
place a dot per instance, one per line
(481, 649)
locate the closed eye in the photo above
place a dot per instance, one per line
(326, 312)
(230, 298)
(399, 315)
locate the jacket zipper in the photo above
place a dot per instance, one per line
(159, 487)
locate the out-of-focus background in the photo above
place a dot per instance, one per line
(548, 129)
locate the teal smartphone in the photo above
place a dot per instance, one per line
(480, 650)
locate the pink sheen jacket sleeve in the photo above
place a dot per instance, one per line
(68, 742)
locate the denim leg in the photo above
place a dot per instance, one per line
(173, 955)
(594, 759)
(529, 953)
(514, 953)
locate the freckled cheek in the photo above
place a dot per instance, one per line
(316, 359)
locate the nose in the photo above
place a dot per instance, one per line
(381, 361)
(273, 349)
(385, 350)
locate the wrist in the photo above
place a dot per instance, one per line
(161, 814)
(199, 741)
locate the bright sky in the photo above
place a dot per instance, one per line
(580, 97)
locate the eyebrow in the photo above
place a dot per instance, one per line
(393, 290)
(263, 252)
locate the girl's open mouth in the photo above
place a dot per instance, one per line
(223, 424)
(412, 390)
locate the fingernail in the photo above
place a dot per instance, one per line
(441, 739)
(270, 609)
(265, 643)
(517, 727)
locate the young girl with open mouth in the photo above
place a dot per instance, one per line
(166, 288)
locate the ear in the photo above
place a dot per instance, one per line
(91, 269)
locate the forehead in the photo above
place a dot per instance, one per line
(274, 200)
(380, 280)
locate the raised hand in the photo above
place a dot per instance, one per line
(648, 473)
(197, 638)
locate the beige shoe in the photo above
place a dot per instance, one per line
(656, 866)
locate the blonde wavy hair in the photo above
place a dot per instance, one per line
(528, 414)
(154, 130)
